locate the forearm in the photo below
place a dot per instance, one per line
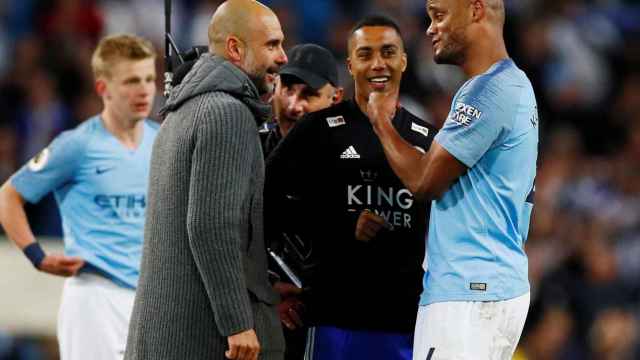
(405, 160)
(13, 217)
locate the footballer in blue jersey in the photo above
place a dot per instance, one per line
(479, 175)
(98, 173)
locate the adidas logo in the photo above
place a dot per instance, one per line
(350, 153)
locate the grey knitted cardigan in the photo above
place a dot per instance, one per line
(204, 269)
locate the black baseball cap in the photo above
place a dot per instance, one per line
(312, 64)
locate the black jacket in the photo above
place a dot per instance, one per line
(323, 174)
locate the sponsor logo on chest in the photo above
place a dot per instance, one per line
(350, 153)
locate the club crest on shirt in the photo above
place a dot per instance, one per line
(368, 175)
(465, 114)
(39, 161)
(335, 121)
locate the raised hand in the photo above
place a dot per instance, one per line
(381, 107)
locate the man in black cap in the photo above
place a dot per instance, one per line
(308, 83)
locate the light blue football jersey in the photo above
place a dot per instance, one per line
(101, 189)
(479, 226)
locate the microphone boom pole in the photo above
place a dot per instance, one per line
(170, 48)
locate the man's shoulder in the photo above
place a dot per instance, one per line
(218, 98)
(409, 118)
(331, 117)
(152, 124)
(88, 126)
(502, 81)
(81, 135)
(333, 110)
(218, 106)
(414, 129)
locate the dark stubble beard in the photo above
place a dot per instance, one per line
(258, 78)
(453, 52)
(260, 81)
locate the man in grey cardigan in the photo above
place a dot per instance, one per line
(203, 290)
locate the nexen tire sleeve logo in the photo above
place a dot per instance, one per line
(465, 114)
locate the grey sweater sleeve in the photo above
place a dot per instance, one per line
(216, 220)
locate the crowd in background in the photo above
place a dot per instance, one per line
(583, 57)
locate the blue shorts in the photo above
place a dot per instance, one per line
(330, 343)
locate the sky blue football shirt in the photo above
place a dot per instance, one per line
(478, 227)
(101, 189)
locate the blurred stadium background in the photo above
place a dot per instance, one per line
(583, 57)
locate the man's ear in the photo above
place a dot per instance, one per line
(101, 87)
(478, 10)
(337, 95)
(234, 47)
(404, 61)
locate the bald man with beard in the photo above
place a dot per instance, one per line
(203, 290)
(479, 177)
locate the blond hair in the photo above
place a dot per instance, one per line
(119, 47)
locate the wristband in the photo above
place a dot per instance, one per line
(35, 254)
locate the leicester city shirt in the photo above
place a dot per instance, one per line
(100, 187)
(478, 227)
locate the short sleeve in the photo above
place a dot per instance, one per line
(50, 169)
(475, 122)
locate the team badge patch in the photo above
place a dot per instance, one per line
(39, 161)
(420, 129)
(335, 121)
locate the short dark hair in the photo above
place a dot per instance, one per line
(376, 20)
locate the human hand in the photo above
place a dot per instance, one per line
(61, 265)
(286, 290)
(243, 346)
(381, 107)
(290, 311)
(369, 224)
(290, 308)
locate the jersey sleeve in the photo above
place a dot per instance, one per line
(474, 123)
(417, 132)
(50, 169)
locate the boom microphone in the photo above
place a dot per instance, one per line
(177, 65)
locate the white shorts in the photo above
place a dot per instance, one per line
(94, 318)
(470, 330)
